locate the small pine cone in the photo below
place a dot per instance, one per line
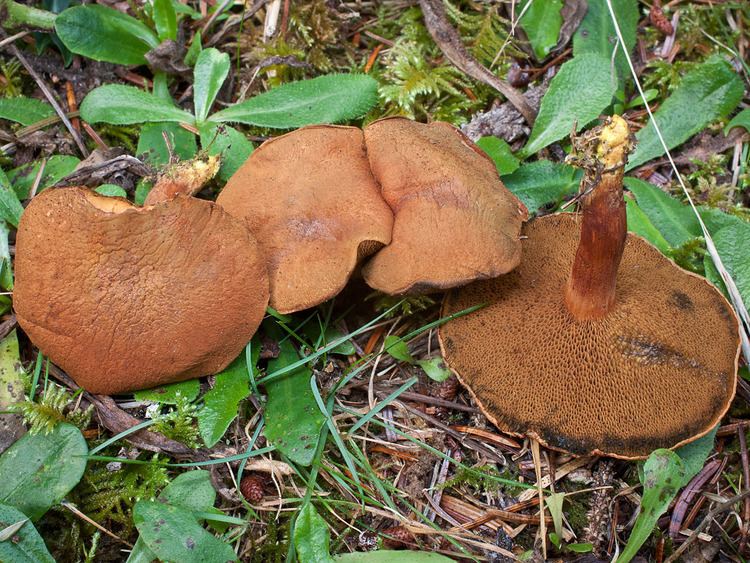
(659, 20)
(397, 537)
(251, 488)
(448, 389)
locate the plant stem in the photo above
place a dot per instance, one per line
(590, 290)
(13, 14)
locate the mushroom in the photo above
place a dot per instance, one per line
(454, 220)
(313, 205)
(559, 356)
(131, 297)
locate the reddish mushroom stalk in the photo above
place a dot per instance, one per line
(590, 289)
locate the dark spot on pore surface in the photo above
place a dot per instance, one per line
(681, 301)
(449, 346)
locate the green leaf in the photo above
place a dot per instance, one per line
(111, 190)
(25, 545)
(331, 334)
(232, 145)
(554, 502)
(386, 556)
(293, 420)
(10, 208)
(541, 23)
(55, 169)
(40, 469)
(105, 34)
(731, 243)
(192, 491)
(500, 153)
(165, 19)
(326, 99)
(640, 224)
(6, 269)
(596, 33)
(676, 222)
(25, 110)
(220, 403)
(174, 534)
(541, 182)
(153, 148)
(742, 119)
(125, 105)
(435, 368)
(694, 455)
(211, 69)
(578, 94)
(311, 536)
(397, 348)
(194, 50)
(663, 475)
(708, 92)
(169, 394)
(580, 547)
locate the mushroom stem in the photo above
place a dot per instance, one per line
(186, 177)
(590, 289)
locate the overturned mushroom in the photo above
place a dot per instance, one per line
(136, 297)
(312, 203)
(454, 220)
(560, 356)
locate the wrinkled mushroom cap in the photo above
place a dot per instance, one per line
(126, 298)
(310, 200)
(658, 371)
(455, 221)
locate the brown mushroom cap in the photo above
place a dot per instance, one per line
(310, 200)
(658, 371)
(125, 298)
(455, 221)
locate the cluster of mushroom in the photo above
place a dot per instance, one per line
(136, 297)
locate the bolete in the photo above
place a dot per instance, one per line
(596, 343)
(124, 297)
(313, 205)
(454, 220)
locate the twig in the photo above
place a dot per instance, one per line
(746, 484)
(450, 44)
(540, 491)
(726, 505)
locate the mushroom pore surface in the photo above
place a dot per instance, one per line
(135, 297)
(455, 221)
(313, 205)
(658, 371)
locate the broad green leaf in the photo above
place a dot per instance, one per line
(10, 208)
(541, 23)
(40, 469)
(293, 419)
(111, 190)
(500, 153)
(596, 33)
(232, 145)
(55, 169)
(220, 403)
(716, 219)
(708, 92)
(25, 545)
(640, 224)
(663, 475)
(578, 94)
(541, 182)
(192, 491)
(174, 534)
(194, 50)
(169, 394)
(25, 110)
(125, 105)
(554, 502)
(386, 556)
(580, 547)
(732, 244)
(742, 119)
(435, 368)
(105, 34)
(153, 148)
(12, 387)
(211, 69)
(4, 180)
(397, 348)
(694, 455)
(311, 536)
(326, 99)
(165, 19)
(6, 269)
(676, 222)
